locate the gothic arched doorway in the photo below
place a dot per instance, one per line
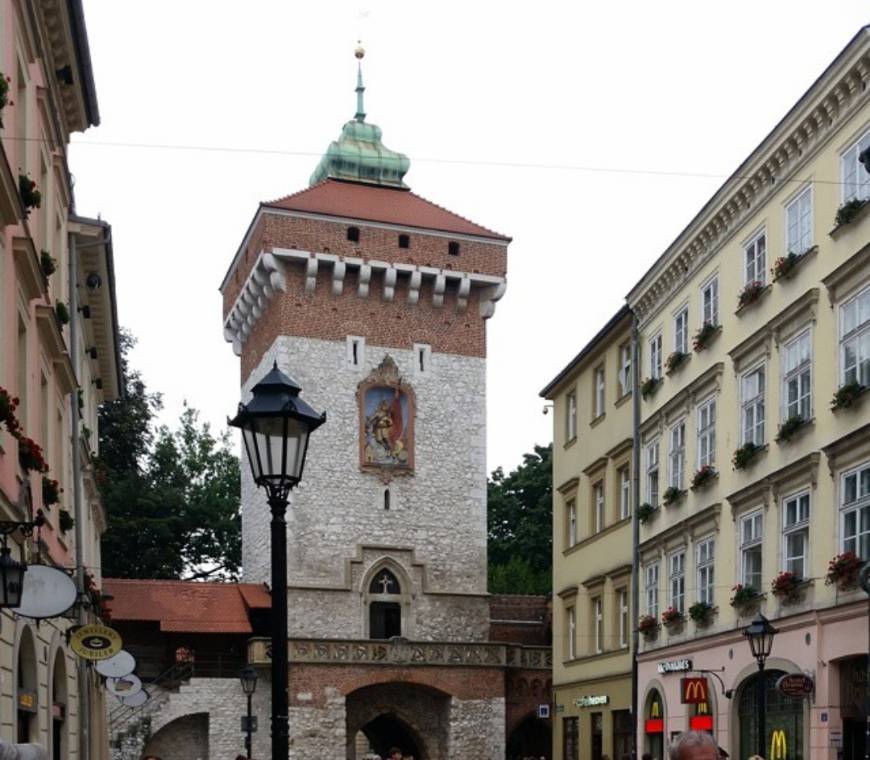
(531, 738)
(784, 722)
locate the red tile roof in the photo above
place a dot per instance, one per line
(187, 606)
(356, 200)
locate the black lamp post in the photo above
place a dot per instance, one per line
(248, 678)
(760, 634)
(275, 428)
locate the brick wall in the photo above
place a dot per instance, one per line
(520, 619)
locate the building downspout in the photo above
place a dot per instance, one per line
(635, 530)
(78, 510)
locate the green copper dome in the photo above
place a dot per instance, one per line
(359, 155)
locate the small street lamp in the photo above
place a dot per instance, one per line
(248, 678)
(760, 634)
(12, 571)
(275, 427)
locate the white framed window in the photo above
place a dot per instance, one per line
(796, 533)
(751, 537)
(799, 223)
(624, 492)
(571, 416)
(755, 260)
(599, 391)
(797, 377)
(622, 601)
(655, 356)
(677, 455)
(624, 378)
(677, 580)
(572, 523)
(707, 433)
(705, 561)
(681, 330)
(356, 350)
(571, 633)
(855, 339)
(598, 498)
(752, 406)
(855, 511)
(598, 624)
(710, 302)
(856, 180)
(651, 589)
(652, 473)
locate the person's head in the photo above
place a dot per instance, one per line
(394, 754)
(723, 755)
(694, 745)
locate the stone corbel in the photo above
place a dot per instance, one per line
(489, 297)
(414, 287)
(438, 290)
(365, 278)
(311, 275)
(390, 284)
(339, 268)
(462, 295)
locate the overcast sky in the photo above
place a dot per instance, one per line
(576, 128)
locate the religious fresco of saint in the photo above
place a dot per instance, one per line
(387, 420)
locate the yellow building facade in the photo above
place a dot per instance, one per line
(592, 508)
(754, 332)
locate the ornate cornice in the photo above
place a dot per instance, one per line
(791, 145)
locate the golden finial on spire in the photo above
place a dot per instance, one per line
(360, 50)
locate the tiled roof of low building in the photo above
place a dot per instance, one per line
(187, 606)
(388, 205)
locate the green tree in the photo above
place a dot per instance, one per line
(519, 517)
(171, 496)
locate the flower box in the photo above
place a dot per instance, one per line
(672, 617)
(790, 428)
(701, 612)
(847, 394)
(30, 455)
(30, 195)
(647, 626)
(744, 456)
(848, 212)
(671, 495)
(649, 386)
(786, 586)
(843, 571)
(785, 266)
(743, 596)
(751, 292)
(51, 491)
(674, 361)
(703, 476)
(645, 511)
(705, 336)
(4, 94)
(8, 405)
(47, 263)
(65, 521)
(60, 308)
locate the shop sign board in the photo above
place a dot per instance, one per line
(95, 642)
(693, 691)
(675, 666)
(795, 685)
(593, 701)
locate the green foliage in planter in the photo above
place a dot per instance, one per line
(788, 428)
(784, 266)
(847, 394)
(30, 195)
(675, 361)
(743, 595)
(704, 475)
(700, 612)
(47, 263)
(671, 495)
(645, 511)
(80, 397)
(649, 386)
(51, 491)
(65, 521)
(705, 336)
(60, 308)
(744, 455)
(848, 211)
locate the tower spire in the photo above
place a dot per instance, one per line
(360, 88)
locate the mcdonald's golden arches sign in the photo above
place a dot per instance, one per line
(778, 745)
(693, 691)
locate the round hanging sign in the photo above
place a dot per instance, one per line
(95, 642)
(122, 664)
(135, 700)
(46, 592)
(125, 686)
(795, 685)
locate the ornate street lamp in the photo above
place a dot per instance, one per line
(12, 578)
(248, 678)
(760, 634)
(275, 427)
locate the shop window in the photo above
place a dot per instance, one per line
(621, 734)
(597, 735)
(654, 725)
(570, 737)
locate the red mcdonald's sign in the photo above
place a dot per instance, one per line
(693, 690)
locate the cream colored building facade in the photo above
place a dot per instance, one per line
(766, 377)
(592, 508)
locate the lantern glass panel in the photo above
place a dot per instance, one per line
(12, 579)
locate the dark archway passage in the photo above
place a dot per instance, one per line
(387, 731)
(531, 738)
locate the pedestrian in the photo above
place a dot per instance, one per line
(694, 745)
(394, 753)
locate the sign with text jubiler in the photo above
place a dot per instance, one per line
(95, 642)
(675, 666)
(693, 691)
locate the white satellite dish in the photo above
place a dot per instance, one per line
(135, 700)
(121, 664)
(46, 592)
(125, 686)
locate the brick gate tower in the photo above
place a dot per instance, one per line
(375, 301)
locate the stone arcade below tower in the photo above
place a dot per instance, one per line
(375, 301)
